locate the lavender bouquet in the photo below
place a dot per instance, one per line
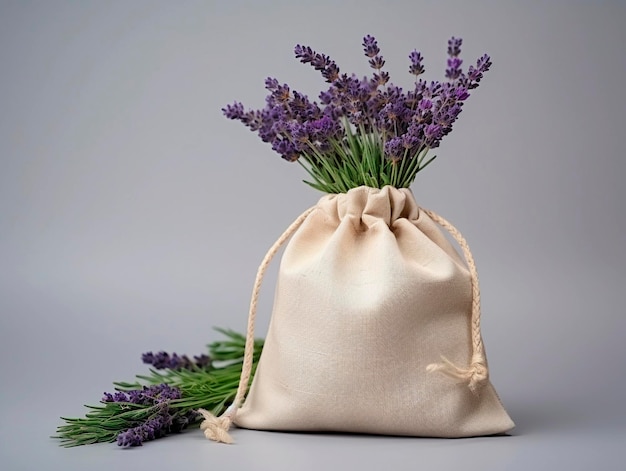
(364, 131)
(165, 400)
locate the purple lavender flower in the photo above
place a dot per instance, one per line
(417, 129)
(475, 74)
(370, 46)
(483, 63)
(250, 118)
(320, 62)
(136, 396)
(108, 397)
(163, 360)
(299, 135)
(161, 392)
(454, 46)
(391, 114)
(432, 134)
(303, 108)
(326, 97)
(160, 360)
(271, 83)
(461, 94)
(322, 128)
(416, 68)
(159, 425)
(148, 395)
(156, 427)
(381, 78)
(131, 437)
(394, 149)
(280, 94)
(121, 397)
(377, 62)
(409, 141)
(454, 71)
(425, 104)
(433, 90)
(234, 111)
(286, 149)
(371, 49)
(118, 396)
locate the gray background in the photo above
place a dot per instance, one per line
(133, 215)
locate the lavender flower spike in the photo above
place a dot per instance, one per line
(370, 46)
(234, 111)
(454, 46)
(371, 49)
(320, 62)
(163, 360)
(416, 68)
(454, 71)
(149, 430)
(148, 395)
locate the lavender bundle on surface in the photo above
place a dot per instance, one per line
(165, 400)
(364, 131)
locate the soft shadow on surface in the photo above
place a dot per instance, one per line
(555, 416)
(365, 437)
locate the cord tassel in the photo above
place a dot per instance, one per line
(216, 428)
(476, 374)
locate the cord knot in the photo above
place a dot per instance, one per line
(476, 374)
(216, 428)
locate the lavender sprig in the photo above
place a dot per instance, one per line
(156, 427)
(363, 131)
(147, 395)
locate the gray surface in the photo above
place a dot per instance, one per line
(133, 215)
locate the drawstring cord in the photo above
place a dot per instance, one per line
(477, 373)
(216, 428)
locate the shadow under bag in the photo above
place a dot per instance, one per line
(375, 328)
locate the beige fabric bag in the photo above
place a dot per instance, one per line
(372, 305)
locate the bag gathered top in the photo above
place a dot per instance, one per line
(375, 326)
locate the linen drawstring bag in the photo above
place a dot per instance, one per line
(375, 328)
